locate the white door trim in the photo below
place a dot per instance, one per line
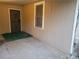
(10, 20)
(74, 26)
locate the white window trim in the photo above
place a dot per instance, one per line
(39, 3)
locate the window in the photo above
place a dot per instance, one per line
(39, 15)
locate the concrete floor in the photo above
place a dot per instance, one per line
(28, 48)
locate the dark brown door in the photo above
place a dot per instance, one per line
(15, 21)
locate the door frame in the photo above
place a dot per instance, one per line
(74, 27)
(10, 19)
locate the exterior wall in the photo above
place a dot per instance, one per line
(4, 16)
(59, 19)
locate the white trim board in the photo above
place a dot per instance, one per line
(74, 26)
(36, 4)
(9, 17)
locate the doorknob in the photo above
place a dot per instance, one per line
(74, 44)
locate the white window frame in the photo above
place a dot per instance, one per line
(36, 4)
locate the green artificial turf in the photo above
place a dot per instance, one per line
(15, 36)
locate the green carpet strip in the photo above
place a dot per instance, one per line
(15, 36)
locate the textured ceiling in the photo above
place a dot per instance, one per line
(17, 1)
(22, 2)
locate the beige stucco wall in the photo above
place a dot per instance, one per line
(60, 24)
(4, 16)
(59, 19)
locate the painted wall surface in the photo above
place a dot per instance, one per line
(59, 19)
(4, 16)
